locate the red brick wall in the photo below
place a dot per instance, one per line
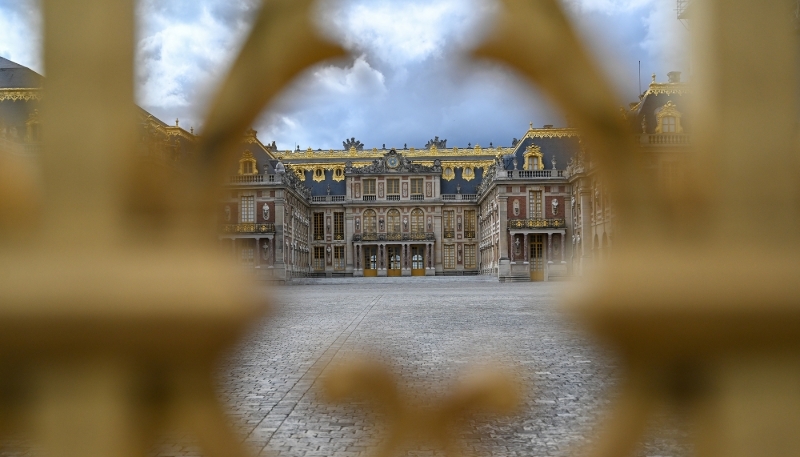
(522, 207)
(548, 201)
(260, 212)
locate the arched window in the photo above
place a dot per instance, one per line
(668, 119)
(247, 164)
(417, 221)
(534, 160)
(370, 221)
(393, 221)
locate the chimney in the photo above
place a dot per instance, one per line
(674, 77)
(548, 126)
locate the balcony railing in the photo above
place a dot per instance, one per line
(393, 198)
(449, 233)
(420, 236)
(459, 197)
(339, 236)
(528, 174)
(414, 236)
(246, 179)
(469, 233)
(369, 198)
(417, 197)
(327, 198)
(248, 228)
(536, 223)
(665, 138)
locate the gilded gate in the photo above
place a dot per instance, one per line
(105, 354)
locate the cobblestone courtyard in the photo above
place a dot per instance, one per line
(432, 330)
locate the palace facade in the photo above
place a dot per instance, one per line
(534, 211)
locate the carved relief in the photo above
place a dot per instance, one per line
(405, 190)
(428, 190)
(357, 190)
(380, 190)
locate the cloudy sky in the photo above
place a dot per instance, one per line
(405, 82)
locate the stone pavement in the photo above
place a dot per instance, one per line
(432, 330)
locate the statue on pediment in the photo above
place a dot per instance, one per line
(436, 142)
(353, 143)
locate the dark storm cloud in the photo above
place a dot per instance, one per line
(405, 82)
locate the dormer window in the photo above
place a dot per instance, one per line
(247, 164)
(668, 124)
(669, 119)
(534, 159)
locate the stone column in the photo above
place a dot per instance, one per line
(550, 246)
(257, 254)
(586, 227)
(525, 247)
(563, 247)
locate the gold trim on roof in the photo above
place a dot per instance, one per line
(15, 94)
(565, 132)
(376, 153)
(667, 89)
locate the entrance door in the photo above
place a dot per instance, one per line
(370, 261)
(417, 260)
(537, 257)
(394, 260)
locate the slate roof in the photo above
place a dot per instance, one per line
(15, 76)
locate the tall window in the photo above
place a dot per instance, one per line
(248, 209)
(449, 224)
(319, 226)
(338, 226)
(469, 223)
(416, 189)
(417, 221)
(469, 255)
(247, 255)
(319, 258)
(338, 257)
(370, 222)
(535, 204)
(393, 221)
(369, 187)
(393, 189)
(449, 256)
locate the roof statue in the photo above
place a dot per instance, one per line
(353, 143)
(439, 144)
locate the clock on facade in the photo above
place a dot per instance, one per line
(392, 162)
